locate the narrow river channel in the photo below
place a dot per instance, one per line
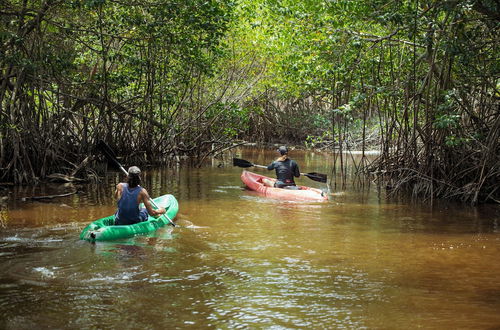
(239, 260)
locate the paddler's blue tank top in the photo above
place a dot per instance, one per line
(128, 209)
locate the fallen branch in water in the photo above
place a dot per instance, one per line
(49, 196)
(58, 177)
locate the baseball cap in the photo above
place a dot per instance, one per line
(283, 150)
(134, 170)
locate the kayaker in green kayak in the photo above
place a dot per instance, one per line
(129, 195)
(286, 168)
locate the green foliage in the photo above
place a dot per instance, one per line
(454, 141)
(447, 121)
(313, 141)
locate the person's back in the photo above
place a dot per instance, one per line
(130, 195)
(286, 169)
(128, 207)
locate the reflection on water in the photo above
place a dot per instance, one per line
(239, 260)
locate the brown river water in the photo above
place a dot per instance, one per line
(239, 260)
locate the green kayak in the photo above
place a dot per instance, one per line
(104, 229)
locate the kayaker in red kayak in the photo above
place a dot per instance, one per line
(286, 168)
(129, 195)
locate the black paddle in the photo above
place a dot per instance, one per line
(313, 175)
(110, 155)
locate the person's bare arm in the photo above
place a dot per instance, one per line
(144, 196)
(118, 191)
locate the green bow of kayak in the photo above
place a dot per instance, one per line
(104, 229)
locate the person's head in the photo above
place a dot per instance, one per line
(134, 176)
(283, 151)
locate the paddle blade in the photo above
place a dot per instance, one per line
(109, 154)
(241, 163)
(316, 176)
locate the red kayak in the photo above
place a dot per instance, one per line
(254, 182)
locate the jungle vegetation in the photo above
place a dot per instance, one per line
(161, 79)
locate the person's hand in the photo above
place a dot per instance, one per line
(159, 211)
